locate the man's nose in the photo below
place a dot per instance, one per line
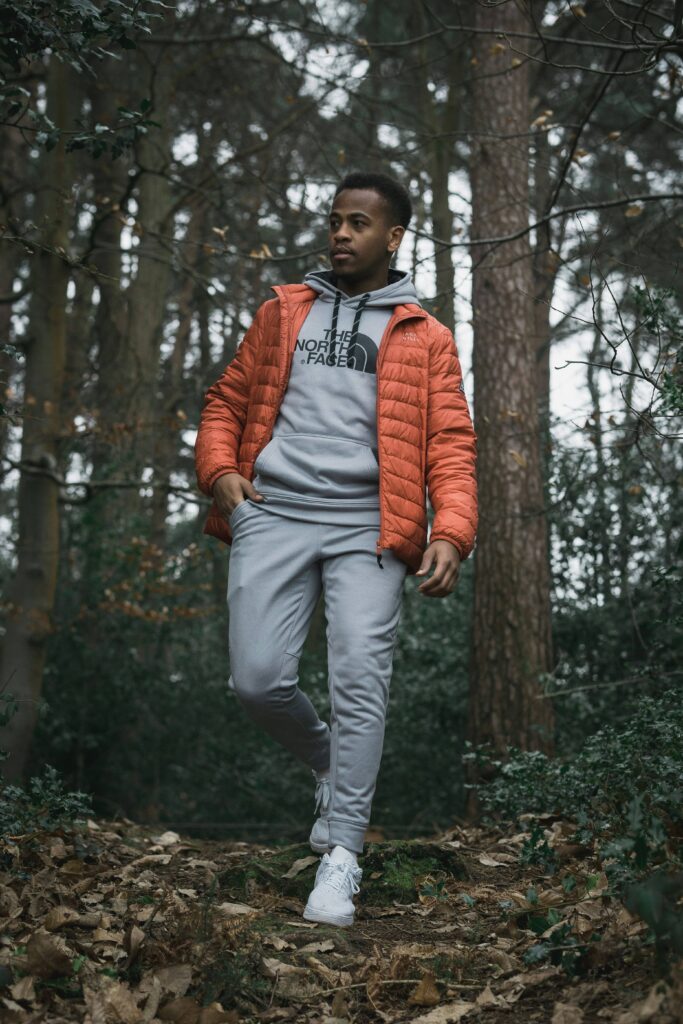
(340, 233)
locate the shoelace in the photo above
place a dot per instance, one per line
(339, 874)
(322, 795)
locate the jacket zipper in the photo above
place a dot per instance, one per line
(281, 393)
(393, 322)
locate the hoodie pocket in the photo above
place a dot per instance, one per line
(319, 465)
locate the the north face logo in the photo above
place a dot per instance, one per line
(361, 355)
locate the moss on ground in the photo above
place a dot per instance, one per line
(391, 871)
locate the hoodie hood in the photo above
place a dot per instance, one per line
(399, 290)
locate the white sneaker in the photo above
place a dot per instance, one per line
(331, 901)
(319, 839)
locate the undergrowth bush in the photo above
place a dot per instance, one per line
(43, 804)
(624, 791)
(624, 787)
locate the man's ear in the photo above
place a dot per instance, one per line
(396, 237)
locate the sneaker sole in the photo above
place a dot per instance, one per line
(343, 921)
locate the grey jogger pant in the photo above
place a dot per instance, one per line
(278, 567)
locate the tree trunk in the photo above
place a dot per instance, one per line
(512, 646)
(129, 322)
(32, 590)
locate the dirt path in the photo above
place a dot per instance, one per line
(118, 923)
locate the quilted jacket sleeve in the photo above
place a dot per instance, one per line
(451, 449)
(225, 411)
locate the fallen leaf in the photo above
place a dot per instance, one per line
(175, 979)
(292, 982)
(133, 939)
(167, 839)
(215, 1014)
(447, 1013)
(322, 946)
(488, 998)
(24, 989)
(426, 993)
(9, 902)
(47, 956)
(73, 867)
(181, 1011)
(58, 850)
(141, 862)
(235, 909)
(566, 1013)
(484, 858)
(300, 865)
(104, 935)
(120, 1003)
(339, 1008)
(272, 967)
(153, 988)
(58, 916)
(277, 943)
(645, 1009)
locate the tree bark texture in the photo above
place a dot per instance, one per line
(512, 646)
(32, 590)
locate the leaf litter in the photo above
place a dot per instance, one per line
(112, 923)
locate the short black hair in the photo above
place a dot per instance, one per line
(391, 190)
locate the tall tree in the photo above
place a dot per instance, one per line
(511, 629)
(31, 593)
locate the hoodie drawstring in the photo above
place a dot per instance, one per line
(331, 357)
(356, 320)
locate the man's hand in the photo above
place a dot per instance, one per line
(445, 575)
(230, 489)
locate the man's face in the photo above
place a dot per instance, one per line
(361, 238)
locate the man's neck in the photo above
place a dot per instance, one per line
(380, 279)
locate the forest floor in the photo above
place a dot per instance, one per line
(118, 923)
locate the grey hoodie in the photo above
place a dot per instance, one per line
(321, 462)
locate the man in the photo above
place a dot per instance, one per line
(343, 407)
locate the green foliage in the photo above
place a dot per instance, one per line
(615, 515)
(672, 385)
(562, 948)
(624, 787)
(73, 30)
(79, 33)
(43, 804)
(114, 139)
(661, 318)
(624, 790)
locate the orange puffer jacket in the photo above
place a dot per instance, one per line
(426, 441)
